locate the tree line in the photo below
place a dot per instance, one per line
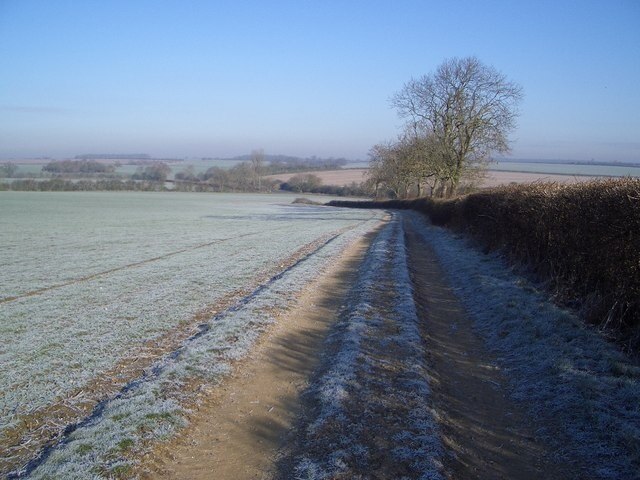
(247, 176)
(78, 167)
(80, 185)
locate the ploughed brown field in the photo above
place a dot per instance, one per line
(493, 179)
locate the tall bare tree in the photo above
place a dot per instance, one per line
(390, 170)
(257, 161)
(423, 160)
(466, 109)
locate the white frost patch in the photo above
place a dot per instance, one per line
(570, 376)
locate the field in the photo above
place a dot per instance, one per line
(493, 177)
(34, 167)
(96, 287)
(330, 177)
(499, 173)
(568, 168)
(130, 321)
(442, 362)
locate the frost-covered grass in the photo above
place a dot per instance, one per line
(152, 409)
(567, 374)
(49, 238)
(372, 412)
(154, 261)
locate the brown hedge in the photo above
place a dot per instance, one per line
(583, 239)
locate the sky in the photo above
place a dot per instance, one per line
(222, 78)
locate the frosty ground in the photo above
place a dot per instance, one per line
(375, 401)
(572, 398)
(466, 372)
(98, 288)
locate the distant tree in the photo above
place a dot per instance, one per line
(8, 169)
(217, 177)
(302, 183)
(410, 166)
(156, 172)
(466, 109)
(241, 176)
(78, 167)
(188, 174)
(257, 161)
(426, 164)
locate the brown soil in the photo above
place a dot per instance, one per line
(329, 177)
(239, 429)
(493, 178)
(486, 434)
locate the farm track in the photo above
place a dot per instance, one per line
(237, 431)
(247, 427)
(123, 267)
(45, 427)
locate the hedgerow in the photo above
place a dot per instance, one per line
(582, 239)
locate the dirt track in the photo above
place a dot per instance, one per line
(238, 432)
(246, 424)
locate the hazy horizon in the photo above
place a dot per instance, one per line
(201, 79)
(508, 159)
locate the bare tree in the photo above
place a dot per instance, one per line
(303, 182)
(241, 177)
(257, 161)
(8, 169)
(466, 109)
(390, 168)
(424, 163)
(407, 166)
(217, 177)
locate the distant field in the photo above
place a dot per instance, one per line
(34, 167)
(568, 169)
(497, 178)
(494, 178)
(500, 172)
(330, 177)
(90, 279)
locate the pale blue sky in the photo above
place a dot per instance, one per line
(209, 78)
